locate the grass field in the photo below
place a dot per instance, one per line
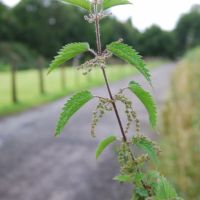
(181, 128)
(28, 85)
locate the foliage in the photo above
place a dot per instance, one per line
(71, 107)
(128, 54)
(111, 24)
(103, 144)
(181, 125)
(85, 4)
(188, 30)
(111, 3)
(20, 55)
(147, 100)
(67, 52)
(30, 17)
(123, 179)
(147, 145)
(164, 190)
(131, 165)
(156, 42)
(25, 23)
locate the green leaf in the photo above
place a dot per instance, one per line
(147, 101)
(103, 144)
(152, 175)
(123, 179)
(138, 177)
(129, 55)
(141, 192)
(85, 4)
(111, 3)
(71, 107)
(164, 190)
(151, 179)
(68, 52)
(146, 145)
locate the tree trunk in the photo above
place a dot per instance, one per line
(41, 75)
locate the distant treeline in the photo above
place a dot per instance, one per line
(34, 30)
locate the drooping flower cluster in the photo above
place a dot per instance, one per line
(129, 111)
(103, 107)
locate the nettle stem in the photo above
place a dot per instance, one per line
(97, 29)
(99, 49)
(98, 40)
(114, 105)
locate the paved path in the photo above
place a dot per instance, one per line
(36, 166)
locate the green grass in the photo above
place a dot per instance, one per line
(28, 85)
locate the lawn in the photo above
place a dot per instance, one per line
(28, 85)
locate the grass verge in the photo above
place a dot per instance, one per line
(180, 161)
(28, 85)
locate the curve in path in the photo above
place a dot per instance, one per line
(36, 166)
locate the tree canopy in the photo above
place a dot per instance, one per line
(188, 30)
(43, 26)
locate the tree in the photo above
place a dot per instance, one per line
(121, 30)
(156, 42)
(7, 22)
(39, 21)
(188, 30)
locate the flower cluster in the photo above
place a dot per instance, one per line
(125, 159)
(130, 112)
(98, 61)
(104, 106)
(129, 164)
(91, 17)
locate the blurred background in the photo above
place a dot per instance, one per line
(36, 166)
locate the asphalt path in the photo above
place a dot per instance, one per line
(34, 165)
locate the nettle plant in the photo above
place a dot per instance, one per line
(133, 152)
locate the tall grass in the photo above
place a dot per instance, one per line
(181, 128)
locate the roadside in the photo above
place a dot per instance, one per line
(181, 127)
(57, 85)
(35, 165)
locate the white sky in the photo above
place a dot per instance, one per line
(144, 13)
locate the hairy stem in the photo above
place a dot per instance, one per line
(114, 105)
(99, 49)
(97, 30)
(98, 39)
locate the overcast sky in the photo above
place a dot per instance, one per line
(144, 13)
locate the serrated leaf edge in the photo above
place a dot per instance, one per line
(152, 114)
(63, 119)
(140, 144)
(138, 63)
(60, 58)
